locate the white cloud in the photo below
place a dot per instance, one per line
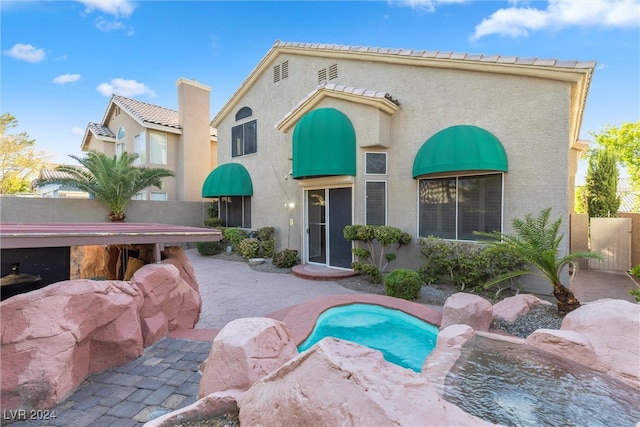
(124, 87)
(77, 131)
(117, 8)
(602, 66)
(519, 21)
(426, 5)
(106, 25)
(66, 78)
(26, 52)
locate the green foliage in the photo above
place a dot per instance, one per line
(286, 258)
(234, 236)
(601, 186)
(208, 248)
(635, 271)
(114, 180)
(249, 247)
(402, 283)
(636, 293)
(624, 141)
(580, 200)
(20, 163)
(266, 233)
(468, 265)
(537, 241)
(381, 241)
(214, 222)
(267, 247)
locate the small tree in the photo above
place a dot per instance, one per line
(382, 244)
(112, 180)
(20, 162)
(624, 142)
(537, 242)
(601, 185)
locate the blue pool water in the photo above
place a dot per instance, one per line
(403, 339)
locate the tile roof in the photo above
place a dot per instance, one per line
(441, 55)
(50, 172)
(98, 130)
(148, 113)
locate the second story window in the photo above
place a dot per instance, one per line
(120, 141)
(244, 136)
(158, 148)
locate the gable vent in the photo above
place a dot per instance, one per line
(322, 76)
(285, 69)
(333, 71)
(276, 73)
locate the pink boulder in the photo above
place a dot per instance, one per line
(613, 330)
(341, 383)
(467, 309)
(54, 337)
(209, 406)
(510, 308)
(244, 351)
(176, 257)
(568, 344)
(169, 302)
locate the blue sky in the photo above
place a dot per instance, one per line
(61, 60)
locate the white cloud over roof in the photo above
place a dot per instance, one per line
(66, 78)
(125, 87)
(117, 8)
(519, 21)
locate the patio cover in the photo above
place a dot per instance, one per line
(59, 234)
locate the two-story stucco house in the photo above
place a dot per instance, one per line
(181, 140)
(319, 136)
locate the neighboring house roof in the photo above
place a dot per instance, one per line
(578, 73)
(147, 115)
(50, 172)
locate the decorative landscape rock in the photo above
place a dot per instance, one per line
(568, 344)
(612, 328)
(243, 352)
(341, 383)
(467, 309)
(54, 337)
(209, 406)
(518, 305)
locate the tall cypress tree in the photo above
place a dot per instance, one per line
(602, 184)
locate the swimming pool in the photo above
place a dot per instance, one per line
(402, 338)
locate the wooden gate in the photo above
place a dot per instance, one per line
(611, 237)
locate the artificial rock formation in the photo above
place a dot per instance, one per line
(245, 351)
(604, 335)
(336, 382)
(54, 337)
(510, 308)
(467, 309)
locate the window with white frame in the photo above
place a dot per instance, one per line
(375, 164)
(157, 195)
(235, 211)
(140, 195)
(139, 147)
(158, 148)
(120, 141)
(376, 203)
(244, 139)
(454, 207)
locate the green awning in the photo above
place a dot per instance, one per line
(230, 179)
(324, 144)
(460, 148)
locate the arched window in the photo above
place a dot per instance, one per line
(120, 141)
(243, 113)
(244, 138)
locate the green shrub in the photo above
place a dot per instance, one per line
(402, 283)
(635, 271)
(265, 233)
(635, 293)
(234, 236)
(286, 258)
(267, 247)
(208, 248)
(213, 222)
(249, 247)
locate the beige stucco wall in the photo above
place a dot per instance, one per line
(530, 116)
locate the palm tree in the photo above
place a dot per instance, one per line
(536, 241)
(112, 180)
